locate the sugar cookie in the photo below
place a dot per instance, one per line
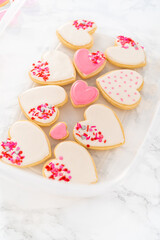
(82, 95)
(40, 104)
(77, 34)
(26, 145)
(121, 88)
(101, 129)
(59, 131)
(88, 64)
(55, 68)
(126, 53)
(72, 163)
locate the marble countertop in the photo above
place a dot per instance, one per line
(131, 210)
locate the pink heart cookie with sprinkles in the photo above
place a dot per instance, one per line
(82, 95)
(59, 131)
(26, 145)
(101, 130)
(72, 164)
(88, 64)
(121, 88)
(40, 104)
(77, 34)
(55, 68)
(126, 53)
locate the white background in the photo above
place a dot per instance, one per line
(130, 210)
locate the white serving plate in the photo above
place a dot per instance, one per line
(112, 165)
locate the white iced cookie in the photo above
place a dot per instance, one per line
(126, 53)
(54, 68)
(40, 104)
(121, 88)
(77, 34)
(26, 145)
(72, 163)
(101, 129)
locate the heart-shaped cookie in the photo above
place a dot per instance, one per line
(121, 88)
(59, 131)
(101, 130)
(73, 163)
(126, 53)
(26, 146)
(82, 95)
(55, 68)
(88, 64)
(40, 104)
(77, 34)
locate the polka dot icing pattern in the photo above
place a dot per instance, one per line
(89, 132)
(43, 111)
(121, 86)
(83, 24)
(57, 171)
(10, 152)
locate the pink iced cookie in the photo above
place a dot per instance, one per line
(59, 131)
(81, 94)
(121, 88)
(88, 64)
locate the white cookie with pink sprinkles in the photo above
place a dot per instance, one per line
(121, 88)
(101, 129)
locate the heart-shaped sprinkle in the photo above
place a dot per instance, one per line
(88, 64)
(59, 131)
(73, 163)
(81, 94)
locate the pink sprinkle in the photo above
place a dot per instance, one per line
(105, 87)
(135, 93)
(130, 86)
(128, 95)
(109, 92)
(126, 75)
(131, 79)
(109, 77)
(122, 99)
(115, 80)
(133, 100)
(60, 157)
(136, 83)
(117, 93)
(109, 82)
(131, 73)
(121, 77)
(125, 90)
(125, 82)
(103, 81)
(119, 85)
(112, 87)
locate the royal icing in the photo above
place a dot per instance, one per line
(76, 32)
(26, 145)
(73, 164)
(87, 62)
(121, 86)
(82, 94)
(40, 103)
(126, 52)
(59, 131)
(55, 66)
(100, 129)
